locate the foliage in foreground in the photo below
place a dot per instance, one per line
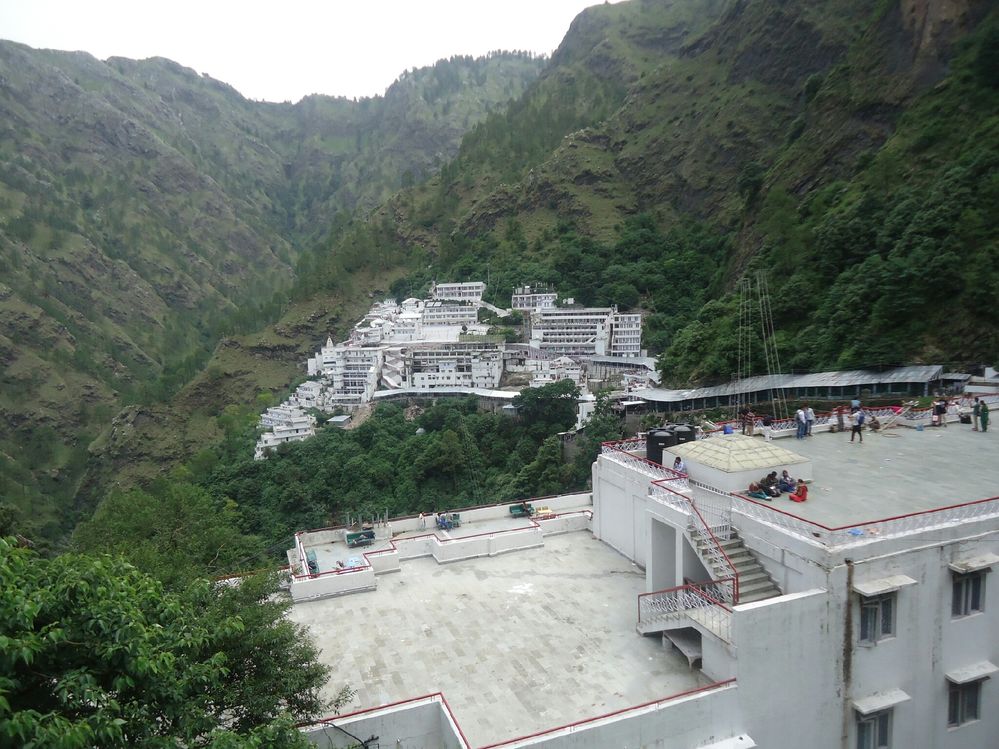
(95, 653)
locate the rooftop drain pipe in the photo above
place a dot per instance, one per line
(847, 651)
(363, 743)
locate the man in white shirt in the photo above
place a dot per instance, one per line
(809, 420)
(799, 418)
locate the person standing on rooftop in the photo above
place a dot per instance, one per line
(976, 412)
(983, 415)
(802, 424)
(809, 420)
(856, 425)
(855, 405)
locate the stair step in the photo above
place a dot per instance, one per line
(759, 595)
(755, 586)
(753, 577)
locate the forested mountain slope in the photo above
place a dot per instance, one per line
(845, 149)
(667, 150)
(145, 211)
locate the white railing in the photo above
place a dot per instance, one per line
(675, 605)
(861, 532)
(618, 452)
(699, 529)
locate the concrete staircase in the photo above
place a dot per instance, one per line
(754, 582)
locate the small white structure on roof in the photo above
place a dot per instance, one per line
(733, 461)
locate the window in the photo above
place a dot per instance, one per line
(874, 730)
(969, 594)
(964, 702)
(877, 617)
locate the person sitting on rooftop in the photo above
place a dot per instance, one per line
(769, 484)
(757, 493)
(679, 466)
(785, 483)
(800, 493)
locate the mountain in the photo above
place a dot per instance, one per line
(146, 211)
(843, 150)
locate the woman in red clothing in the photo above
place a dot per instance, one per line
(800, 493)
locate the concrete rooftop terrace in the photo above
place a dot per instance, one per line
(518, 643)
(896, 472)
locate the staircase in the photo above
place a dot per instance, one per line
(754, 582)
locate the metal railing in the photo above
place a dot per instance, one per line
(620, 452)
(699, 529)
(680, 603)
(856, 533)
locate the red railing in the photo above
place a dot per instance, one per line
(716, 553)
(882, 527)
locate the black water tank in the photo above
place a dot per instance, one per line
(684, 433)
(656, 441)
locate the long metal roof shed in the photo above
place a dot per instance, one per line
(842, 379)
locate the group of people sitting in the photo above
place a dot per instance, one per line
(772, 485)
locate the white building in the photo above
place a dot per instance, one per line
(672, 614)
(475, 365)
(626, 335)
(286, 428)
(531, 299)
(587, 331)
(470, 292)
(437, 313)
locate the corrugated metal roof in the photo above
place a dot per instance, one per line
(846, 378)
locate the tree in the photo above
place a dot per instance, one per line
(96, 653)
(175, 531)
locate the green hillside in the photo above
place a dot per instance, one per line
(147, 211)
(844, 150)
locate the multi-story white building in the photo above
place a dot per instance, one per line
(351, 374)
(286, 425)
(475, 365)
(437, 313)
(470, 291)
(531, 298)
(669, 613)
(572, 331)
(626, 335)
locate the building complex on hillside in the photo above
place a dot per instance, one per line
(666, 610)
(437, 345)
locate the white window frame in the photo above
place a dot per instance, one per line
(874, 730)
(882, 625)
(963, 599)
(961, 710)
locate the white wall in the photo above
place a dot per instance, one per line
(419, 724)
(683, 723)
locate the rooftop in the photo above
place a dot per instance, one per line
(517, 643)
(896, 472)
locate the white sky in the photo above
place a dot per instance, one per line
(281, 51)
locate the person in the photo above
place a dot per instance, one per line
(983, 416)
(785, 483)
(757, 493)
(840, 418)
(769, 484)
(750, 423)
(423, 521)
(857, 425)
(768, 424)
(874, 424)
(855, 405)
(976, 413)
(679, 466)
(799, 419)
(800, 493)
(809, 420)
(940, 411)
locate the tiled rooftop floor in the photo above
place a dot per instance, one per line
(897, 472)
(517, 643)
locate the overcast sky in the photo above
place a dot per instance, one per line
(284, 50)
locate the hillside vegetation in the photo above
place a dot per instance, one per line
(146, 211)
